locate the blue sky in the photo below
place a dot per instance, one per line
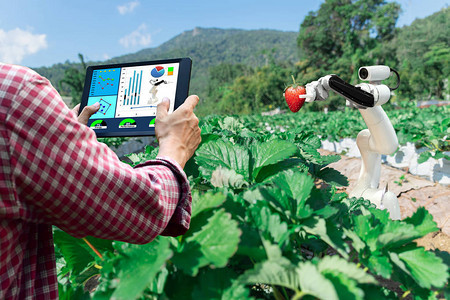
(43, 32)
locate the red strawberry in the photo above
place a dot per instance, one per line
(292, 93)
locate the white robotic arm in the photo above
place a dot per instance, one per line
(379, 138)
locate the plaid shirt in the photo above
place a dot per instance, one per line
(54, 172)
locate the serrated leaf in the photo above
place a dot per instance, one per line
(219, 284)
(314, 283)
(346, 288)
(380, 265)
(423, 157)
(75, 251)
(139, 266)
(336, 264)
(297, 185)
(396, 234)
(214, 244)
(327, 232)
(202, 202)
(270, 152)
(267, 172)
(269, 222)
(157, 285)
(312, 140)
(422, 221)
(218, 153)
(357, 243)
(329, 159)
(367, 232)
(332, 176)
(279, 201)
(426, 269)
(231, 124)
(276, 271)
(223, 177)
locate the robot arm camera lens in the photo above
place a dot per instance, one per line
(363, 73)
(374, 73)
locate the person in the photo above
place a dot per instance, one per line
(53, 171)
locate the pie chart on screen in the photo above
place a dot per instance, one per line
(157, 71)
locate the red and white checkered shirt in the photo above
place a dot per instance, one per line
(53, 171)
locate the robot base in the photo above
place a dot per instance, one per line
(382, 200)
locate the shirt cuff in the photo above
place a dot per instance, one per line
(181, 218)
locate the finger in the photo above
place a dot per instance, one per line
(87, 112)
(162, 108)
(191, 101)
(76, 109)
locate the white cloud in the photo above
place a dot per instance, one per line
(127, 7)
(139, 37)
(17, 43)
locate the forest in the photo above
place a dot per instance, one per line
(241, 72)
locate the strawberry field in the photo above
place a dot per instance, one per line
(268, 222)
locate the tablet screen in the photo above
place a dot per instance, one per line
(128, 96)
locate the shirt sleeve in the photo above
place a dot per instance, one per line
(65, 177)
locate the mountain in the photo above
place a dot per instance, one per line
(207, 47)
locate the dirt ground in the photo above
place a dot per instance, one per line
(412, 192)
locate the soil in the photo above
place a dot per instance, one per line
(412, 192)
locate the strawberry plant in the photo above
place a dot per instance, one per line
(267, 222)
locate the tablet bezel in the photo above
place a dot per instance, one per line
(181, 92)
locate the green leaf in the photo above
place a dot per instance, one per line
(68, 292)
(366, 231)
(219, 284)
(336, 264)
(424, 156)
(332, 176)
(314, 283)
(157, 285)
(213, 154)
(379, 264)
(278, 200)
(396, 234)
(214, 244)
(270, 152)
(422, 221)
(297, 185)
(139, 266)
(327, 232)
(231, 124)
(269, 222)
(203, 202)
(328, 159)
(427, 269)
(277, 271)
(223, 177)
(266, 172)
(346, 288)
(74, 251)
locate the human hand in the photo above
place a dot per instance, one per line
(87, 112)
(178, 133)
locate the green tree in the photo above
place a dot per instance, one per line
(250, 91)
(422, 52)
(342, 34)
(437, 67)
(75, 78)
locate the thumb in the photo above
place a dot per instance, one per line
(163, 108)
(87, 112)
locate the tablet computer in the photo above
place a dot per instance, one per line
(129, 93)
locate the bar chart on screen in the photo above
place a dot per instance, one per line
(133, 90)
